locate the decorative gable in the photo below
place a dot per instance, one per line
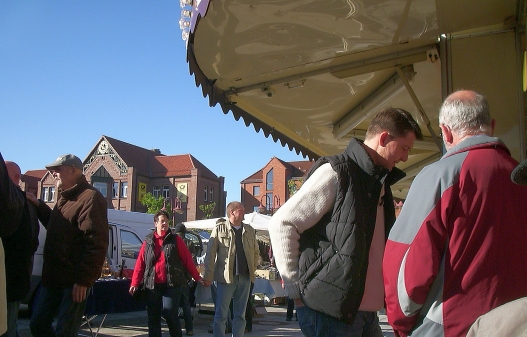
(104, 148)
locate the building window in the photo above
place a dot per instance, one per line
(256, 191)
(115, 189)
(156, 191)
(45, 195)
(269, 180)
(52, 193)
(166, 191)
(206, 192)
(211, 199)
(269, 202)
(255, 209)
(101, 187)
(124, 189)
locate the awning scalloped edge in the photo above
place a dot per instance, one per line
(217, 95)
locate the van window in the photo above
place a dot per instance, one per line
(130, 244)
(109, 254)
(197, 242)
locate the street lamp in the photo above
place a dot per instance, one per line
(269, 205)
(175, 207)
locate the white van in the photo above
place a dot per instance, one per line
(143, 224)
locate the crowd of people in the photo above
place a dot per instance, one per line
(450, 264)
(75, 250)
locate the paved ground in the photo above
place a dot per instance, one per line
(270, 323)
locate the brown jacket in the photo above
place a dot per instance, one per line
(77, 236)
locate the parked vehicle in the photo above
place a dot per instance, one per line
(143, 224)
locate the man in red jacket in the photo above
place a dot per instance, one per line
(457, 249)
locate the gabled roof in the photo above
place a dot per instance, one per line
(152, 162)
(32, 177)
(254, 178)
(35, 173)
(167, 166)
(134, 156)
(299, 169)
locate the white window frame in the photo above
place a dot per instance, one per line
(166, 191)
(51, 193)
(101, 187)
(124, 189)
(115, 190)
(156, 191)
(45, 195)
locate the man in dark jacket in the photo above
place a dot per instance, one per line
(74, 251)
(328, 238)
(188, 290)
(19, 249)
(12, 203)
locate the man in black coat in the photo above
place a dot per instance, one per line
(12, 203)
(19, 248)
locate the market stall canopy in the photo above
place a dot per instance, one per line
(311, 74)
(258, 221)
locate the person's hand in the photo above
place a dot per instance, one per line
(79, 293)
(32, 198)
(205, 283)
(132, 290)
(298, 303)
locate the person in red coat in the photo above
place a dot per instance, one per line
(160, 269)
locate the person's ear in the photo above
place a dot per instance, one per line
(448, 137)
(383, 138)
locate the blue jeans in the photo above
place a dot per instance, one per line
(163, 300)
(238, 291)
(56, 302)
(213, 291)
(12, 316)
(315, 324)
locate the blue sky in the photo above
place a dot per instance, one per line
(72, 71)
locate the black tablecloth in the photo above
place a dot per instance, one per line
(111, 296)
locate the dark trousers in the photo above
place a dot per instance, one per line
(192, 295)
(184, 303)
(56, 302)
(163, 301)
(249, 310)
(290, 308)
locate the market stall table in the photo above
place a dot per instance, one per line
(263, 287)
(108, 296)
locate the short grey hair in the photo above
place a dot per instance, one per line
(466, 114)
(234, 205)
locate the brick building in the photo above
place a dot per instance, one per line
(123, 173)
(268, 188)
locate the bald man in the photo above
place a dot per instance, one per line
(458, 247)
(19, 250)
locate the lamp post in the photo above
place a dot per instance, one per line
(269, 204)
(175, 207)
